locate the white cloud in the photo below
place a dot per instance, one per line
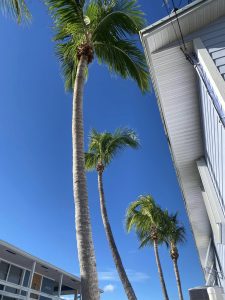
(108, 276)
(68, 297)
(134, 276)
(109, 288)
(137, 276)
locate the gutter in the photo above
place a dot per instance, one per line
(172, 16)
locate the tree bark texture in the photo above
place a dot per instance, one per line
(115, 253)
(161, 277)
(177, 275)
(86, 255)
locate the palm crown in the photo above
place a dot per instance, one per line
(15, 8)
(176, 232)
(147, 219)
(104, 146)
(103, 28)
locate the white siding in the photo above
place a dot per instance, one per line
(221, 254)
(214, 134)
(214, 40)
(180, 111)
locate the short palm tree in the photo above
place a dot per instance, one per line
(104, 29)
(175, 236)
(103, 148)
(148, 220)
(16, 9)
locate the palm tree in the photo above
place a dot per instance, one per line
(103, 147)
(175, 236)
(16, 9)
(149, 223)
(84, 30)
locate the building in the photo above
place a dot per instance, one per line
(186, 56)
(23, 276)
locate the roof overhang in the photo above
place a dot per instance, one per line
(21, 258)
(176, 87)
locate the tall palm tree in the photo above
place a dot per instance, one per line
(103, 147)
(16, 9)
(149, 223)
(104, 29)
(175, 235)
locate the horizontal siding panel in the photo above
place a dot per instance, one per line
(222, 69)
(215, 41)
(215, 53)
(220, 61)
(178, 95)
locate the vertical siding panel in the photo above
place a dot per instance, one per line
(214, 140)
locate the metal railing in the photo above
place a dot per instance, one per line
(19, 289)
(213, 122)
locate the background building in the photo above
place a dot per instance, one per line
(186, 57)
(23, 276)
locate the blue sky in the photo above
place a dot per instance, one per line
(37, 211)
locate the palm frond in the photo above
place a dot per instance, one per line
(145, 217)
(70, 32)
(117, 19)
(125, 59)
(106, 25)
(176, 231)
(91, 160)
(65, 12)
(17, 9)
(69, 62)
(105, 146)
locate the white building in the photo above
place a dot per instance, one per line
(186, 56)
(23, 276)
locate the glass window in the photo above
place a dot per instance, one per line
(4, 267)
(11, 290)
(36, 282)
(34, 296)
(26, 278)
(23, 293)
(7, 298)
(44, 298)
(47, 286)
(1, 287)
(15, 274)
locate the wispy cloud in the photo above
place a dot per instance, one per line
(109, 288)
(111, 275)
(68, 297)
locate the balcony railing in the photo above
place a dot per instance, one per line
(212, 87)
(22, 292)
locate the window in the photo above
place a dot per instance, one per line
(15, 274)
(34, 296)
(36, 283)
(4, 267)
(26, 278)
(44, 298)
(23, 293)
(11, 290)
(48, 286)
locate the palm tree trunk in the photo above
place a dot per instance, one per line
(115, 253)
(161, 277)
(177, 275)
(86, 255)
